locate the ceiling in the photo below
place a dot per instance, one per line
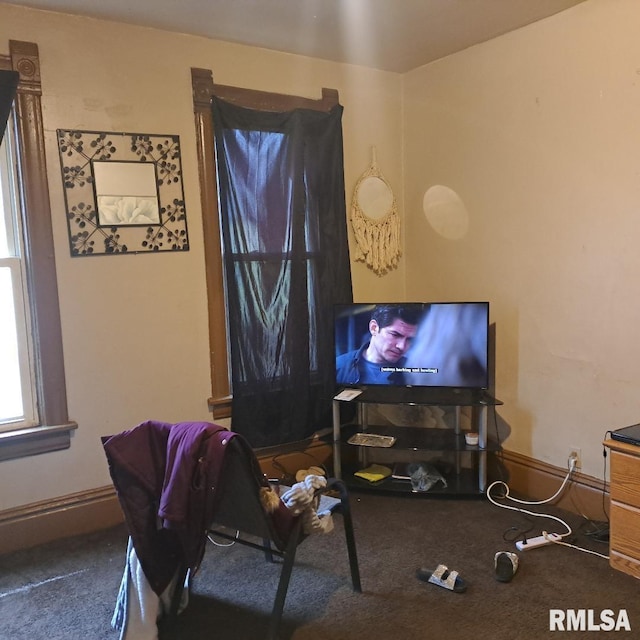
(392, 35)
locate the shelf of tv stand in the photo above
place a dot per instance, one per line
(426, 396)
(417, 439)
(462, 484)
(412, 440)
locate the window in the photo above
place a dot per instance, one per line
(286, 260)
(28, 272)
(284, 237)
(203, 90)
(17, 399)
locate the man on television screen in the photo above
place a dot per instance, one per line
(381, 359)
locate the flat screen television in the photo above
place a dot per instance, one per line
(430, 344)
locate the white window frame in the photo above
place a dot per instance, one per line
(14, 260)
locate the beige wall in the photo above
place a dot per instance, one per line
(537, 133)
(135, 327)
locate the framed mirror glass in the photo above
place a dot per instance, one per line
(375, 197)
(126, 193)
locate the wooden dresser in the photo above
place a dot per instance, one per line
(624, 535)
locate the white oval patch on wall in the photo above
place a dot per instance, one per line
(445, 212)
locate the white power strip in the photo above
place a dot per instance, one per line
(538, 541)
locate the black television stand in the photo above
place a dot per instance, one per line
(468, 475)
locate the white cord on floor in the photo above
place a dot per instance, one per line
(223, 544)
(531, 513)
(542, 515)
(573, 546)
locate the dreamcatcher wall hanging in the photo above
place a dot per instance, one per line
(375, 220)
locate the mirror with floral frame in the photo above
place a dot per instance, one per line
(123, 192)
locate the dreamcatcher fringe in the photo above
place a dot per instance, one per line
(377, 241)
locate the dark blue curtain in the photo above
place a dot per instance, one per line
(8, 85)
(284, 230)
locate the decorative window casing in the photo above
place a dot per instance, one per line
(53, 428)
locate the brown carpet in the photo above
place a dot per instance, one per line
(66, 590)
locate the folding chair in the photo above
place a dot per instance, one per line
(239, 508)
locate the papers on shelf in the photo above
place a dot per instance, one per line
(348, 394)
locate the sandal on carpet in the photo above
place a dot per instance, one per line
(506, 565)
(442, 577)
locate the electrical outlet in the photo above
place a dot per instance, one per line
(575, 452)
